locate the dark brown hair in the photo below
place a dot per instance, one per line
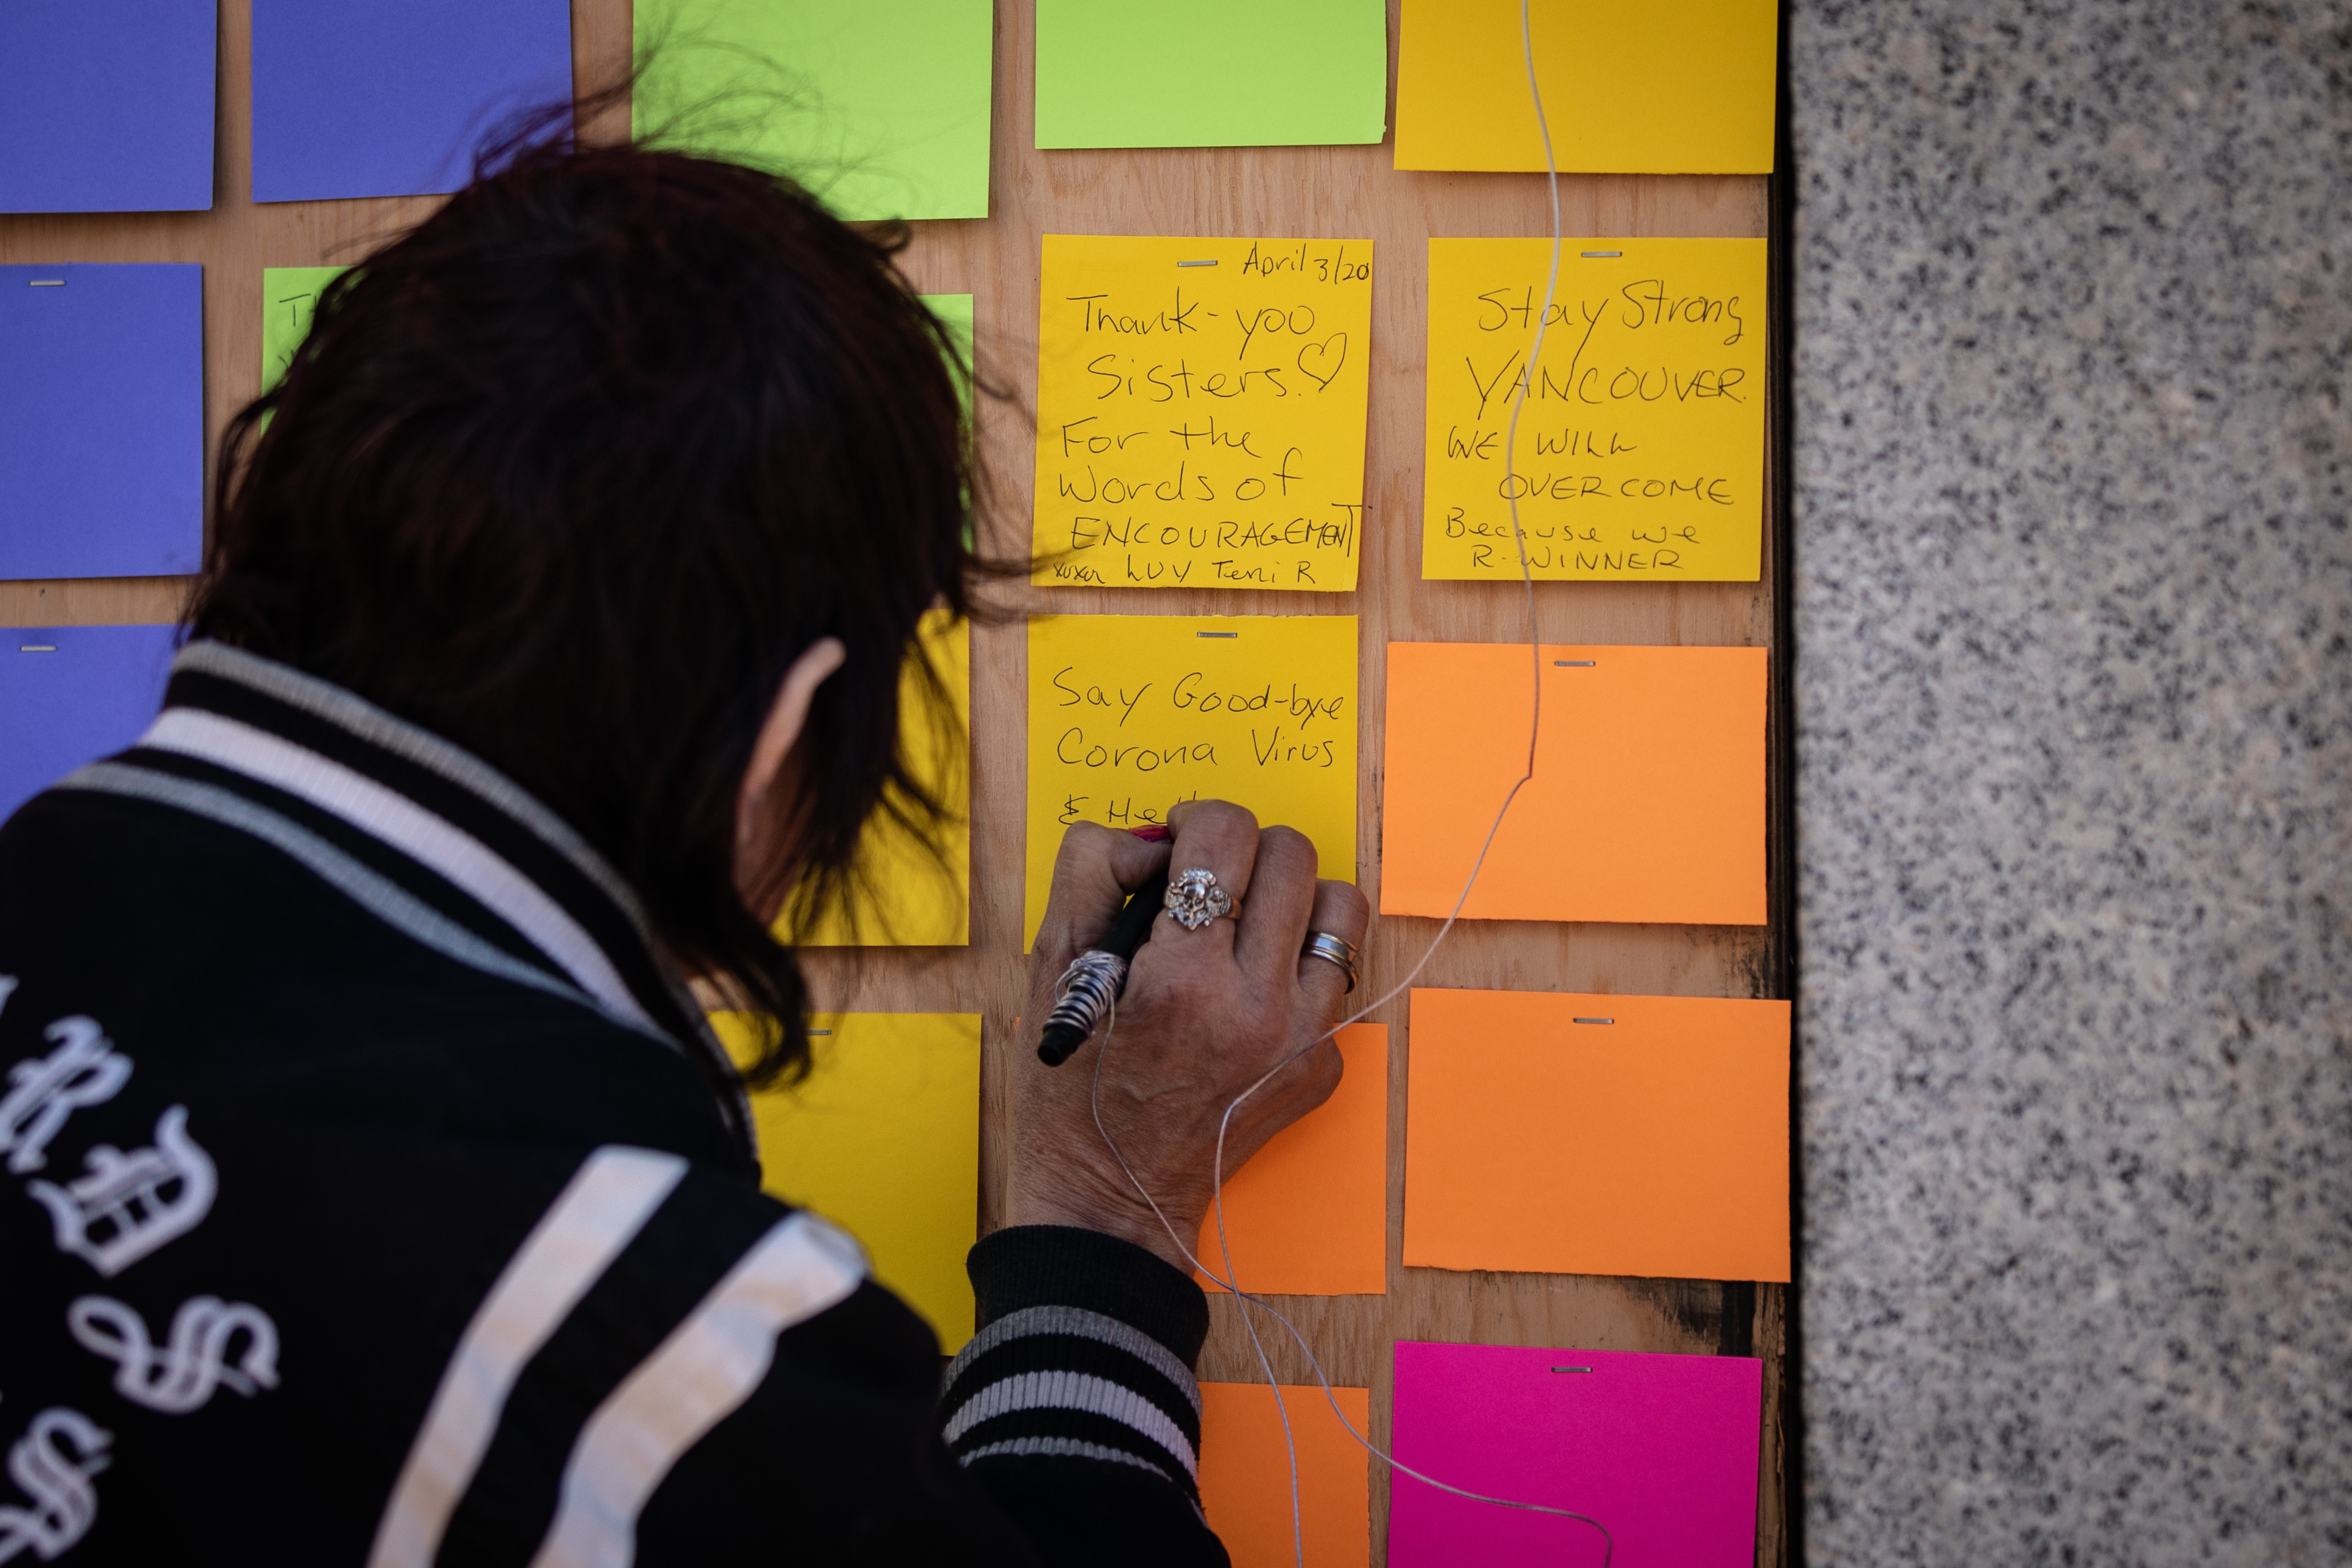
(571, 472)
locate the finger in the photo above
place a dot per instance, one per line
(1281, 892)
(1221, 838)
(1095, 872)
(1343, 911)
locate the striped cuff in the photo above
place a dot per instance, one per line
(1083, 1353)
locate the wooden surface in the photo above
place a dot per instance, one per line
(1339, 193)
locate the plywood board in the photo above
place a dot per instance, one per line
(1332, 192)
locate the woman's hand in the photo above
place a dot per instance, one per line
(1205, 1014)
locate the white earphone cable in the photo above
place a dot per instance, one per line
(1535, 725)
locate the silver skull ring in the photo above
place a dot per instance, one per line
(1193, 898)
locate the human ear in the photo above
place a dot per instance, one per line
(786, 717)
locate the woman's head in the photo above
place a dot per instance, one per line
(573, 472)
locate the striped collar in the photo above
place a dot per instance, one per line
(423, 834)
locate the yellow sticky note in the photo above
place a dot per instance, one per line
(1641, 446)
(1672, 87)
(290, 298)
(883, 1138)
(908, 898)
(1130, 714)
(1200, 408)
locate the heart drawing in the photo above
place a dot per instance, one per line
(1312, 355)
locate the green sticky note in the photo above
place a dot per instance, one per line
(954, 311)
(290, 296)
(881, 107)
(1210, 73)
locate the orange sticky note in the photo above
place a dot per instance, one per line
(1670, 86)
(1245, 1474)
(1308, 1215)
(1647, 803)
(1559, 1134)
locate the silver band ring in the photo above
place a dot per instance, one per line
(1193, 899)
(1332, 950)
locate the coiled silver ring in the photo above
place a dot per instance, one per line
(1332, 950)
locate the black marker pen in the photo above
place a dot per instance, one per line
(1097, 977)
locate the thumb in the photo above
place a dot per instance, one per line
(1093, 874)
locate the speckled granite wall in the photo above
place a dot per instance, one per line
(2074, 692)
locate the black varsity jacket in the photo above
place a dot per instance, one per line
(364, 1205)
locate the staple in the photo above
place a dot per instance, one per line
(820, 1031)
(1210, 262)
(36, 647)
(1592, 1020)
(1599, 255)
(1571, 1369)
(45, 283)
(1576, 663)
(1216, 633)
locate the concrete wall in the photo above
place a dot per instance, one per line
(2074, 692)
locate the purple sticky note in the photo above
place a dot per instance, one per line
(71, 695)
(390, 98)
(106, 106)
(1661, 1449)
(101, 421)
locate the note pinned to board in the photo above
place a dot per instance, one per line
(1561, 1133)
(1647, 803)
(102, 420)
(71, 695)
(1200, 408)
(392, 98)
(955, 311)
(881, 107)
(1640, 444)
(106, 106)
(1307, 1215)
(1245, 1474)
(883, 1138)
(1661, 1449)
(290, 298)
(1130, 714)
(1223, 73)
(907, 896)
(1676, 87)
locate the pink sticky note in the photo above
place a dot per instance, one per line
(1661, 1449)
